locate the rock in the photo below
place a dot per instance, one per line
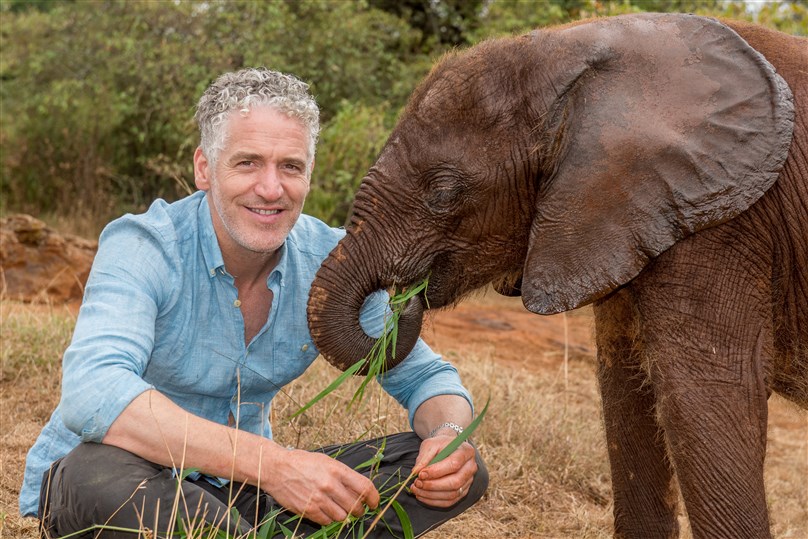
(37, 264)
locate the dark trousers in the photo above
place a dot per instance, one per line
(116, 493)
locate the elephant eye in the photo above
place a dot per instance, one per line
(444, 193)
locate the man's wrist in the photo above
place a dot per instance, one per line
(458, 430)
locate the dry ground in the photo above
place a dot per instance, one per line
(542, 437)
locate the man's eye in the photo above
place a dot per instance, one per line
(246, 163)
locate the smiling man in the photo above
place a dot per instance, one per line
(194, 317)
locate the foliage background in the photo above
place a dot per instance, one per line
(97, 97)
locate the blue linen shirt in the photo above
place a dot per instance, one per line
(160, 312)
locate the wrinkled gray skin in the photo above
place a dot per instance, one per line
(653, 165)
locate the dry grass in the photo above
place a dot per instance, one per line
(32, 339)
(542, 438)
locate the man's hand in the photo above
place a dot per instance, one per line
(319, 487)
(444, 483)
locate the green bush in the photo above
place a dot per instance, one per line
(98, 96)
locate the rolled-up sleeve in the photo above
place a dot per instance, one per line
(114, 335)
(422, 375)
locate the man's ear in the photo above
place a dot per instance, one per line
(202, 170)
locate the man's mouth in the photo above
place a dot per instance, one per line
(264, 212)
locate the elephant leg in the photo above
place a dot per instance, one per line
(708, 343)
(645, 495)
(716, 433)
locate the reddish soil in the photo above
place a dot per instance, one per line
(503, 328)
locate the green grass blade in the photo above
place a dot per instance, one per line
(406, 525)
(375, 459)
(462, 437)
(267, 528)
(332, 386)
(286, 531)
(186, 472)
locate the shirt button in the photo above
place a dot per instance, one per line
(304, 347)
(237, 303)
(212, 272)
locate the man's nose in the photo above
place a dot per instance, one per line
(269, 186)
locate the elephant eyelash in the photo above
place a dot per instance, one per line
(444, 189)
(444, 199)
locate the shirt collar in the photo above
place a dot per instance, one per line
(279, 269)
(211, 252)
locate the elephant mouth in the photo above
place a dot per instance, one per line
(417, 288)
(449, 281)
(442, 288)
(432, 293)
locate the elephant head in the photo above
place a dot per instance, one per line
(556, 165)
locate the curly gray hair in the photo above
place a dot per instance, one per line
(253, 87)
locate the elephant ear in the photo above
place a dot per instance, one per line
(663, 125)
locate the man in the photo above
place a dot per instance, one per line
(194, 317)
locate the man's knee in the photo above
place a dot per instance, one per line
(480, 483)
(104, 470)
(94, 483)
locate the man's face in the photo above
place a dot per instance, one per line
(259, 182)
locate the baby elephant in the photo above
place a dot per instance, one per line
(654, 165)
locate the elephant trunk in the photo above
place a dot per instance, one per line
(337, 294)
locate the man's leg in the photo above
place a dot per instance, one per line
(98, 484)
